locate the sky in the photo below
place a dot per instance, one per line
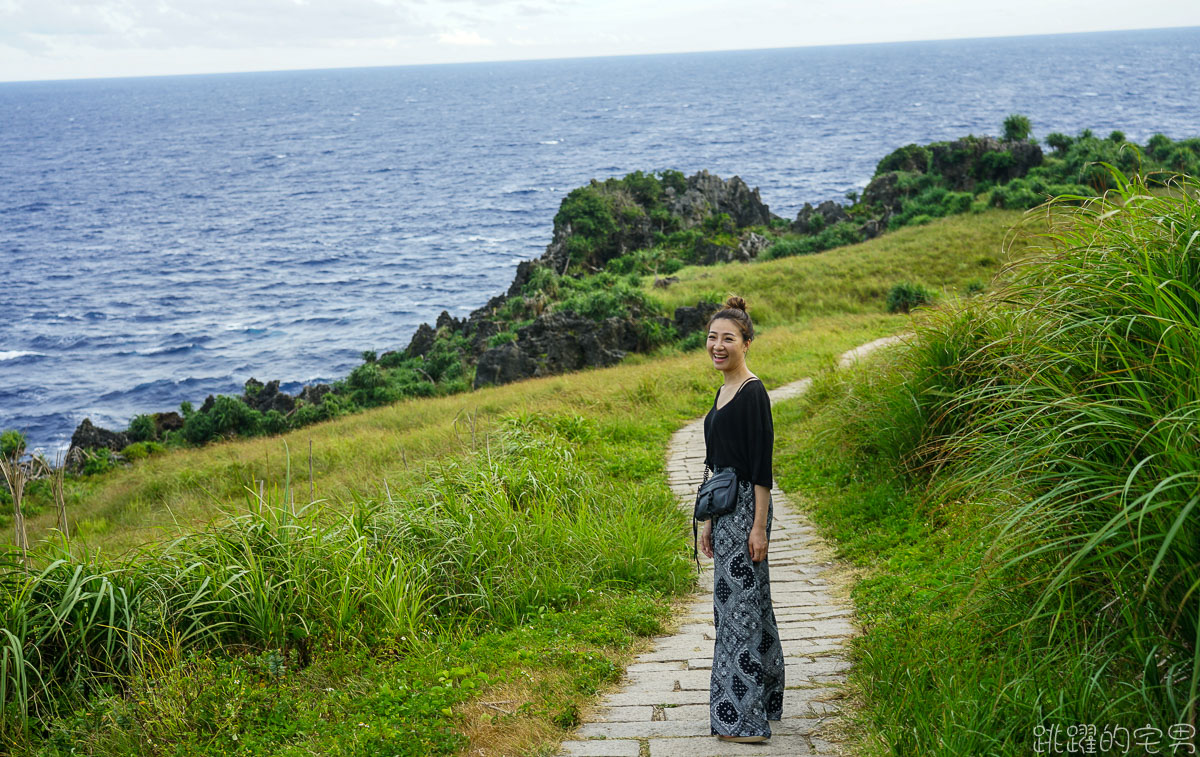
(63, 39)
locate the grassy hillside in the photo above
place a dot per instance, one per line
(355, 455)
(947, 254)
(1018, 488)
(475, 567)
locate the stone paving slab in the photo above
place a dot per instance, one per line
(661, 709)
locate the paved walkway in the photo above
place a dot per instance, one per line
(661, 709)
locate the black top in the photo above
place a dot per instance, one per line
(740, 433)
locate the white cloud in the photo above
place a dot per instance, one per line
(70, 38)
(465, 38)
(41, 25)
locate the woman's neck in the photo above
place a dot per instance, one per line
(744, 374)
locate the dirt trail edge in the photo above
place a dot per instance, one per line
(661, 709)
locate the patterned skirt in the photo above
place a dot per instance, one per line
(747, 672)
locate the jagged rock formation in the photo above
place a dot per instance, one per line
(265, 397)
(88, 436)
(708, 195)
(564, 341)
(830, 212)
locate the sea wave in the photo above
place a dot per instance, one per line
(18, 354)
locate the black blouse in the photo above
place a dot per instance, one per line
(740, 434)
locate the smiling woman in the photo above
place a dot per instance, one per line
(748, 672)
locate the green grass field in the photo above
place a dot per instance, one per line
(511, 546)
(1018, 488)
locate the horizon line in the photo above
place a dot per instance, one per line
(601, 57)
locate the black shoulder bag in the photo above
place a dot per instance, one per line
(716, 496)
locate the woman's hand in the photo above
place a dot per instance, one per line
(757, 543)
(706, 539)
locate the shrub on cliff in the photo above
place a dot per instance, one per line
(588, 215)
(605, 295)
(910, 158)
(142, 429)
(226, 416)
(1017, 128)
(605, 219)
(837, 235)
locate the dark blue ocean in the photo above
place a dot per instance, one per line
(169, 237)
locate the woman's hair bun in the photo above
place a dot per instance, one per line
(735, 302)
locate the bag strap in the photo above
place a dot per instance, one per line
(695, 527)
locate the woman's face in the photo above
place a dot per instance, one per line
(726, 347)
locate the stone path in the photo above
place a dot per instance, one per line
(661, 709)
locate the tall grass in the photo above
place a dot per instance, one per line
(1057, 416)
(1086, 391)
(519, 527)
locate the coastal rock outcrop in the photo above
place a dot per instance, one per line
(565, 341)
(164, 422)
(961, 165)
(265, 397)
(707, 195)
(314, 393)
(591, 236)
(964, 163)
(89, 436)
(605, 222)
(689, 319)
(829, 212)
(559, 342)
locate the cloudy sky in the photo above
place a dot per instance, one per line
(54, 39)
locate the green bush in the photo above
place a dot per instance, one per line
(693, 341)
(142, 429)
(98, 461)
(12, 444)
(653, 333)
(718, 223)
(274, 422)
(502, 338)
(1017, 128)
(228, 417)
(604, 295)
(589, 216)
(910, 158)
(140, 450)
(444, 361)
(1058, 141)
(905, 296)
(843, 233)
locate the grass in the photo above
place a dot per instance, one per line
(1019, 490)
(167, 495)
(447, 534)
(947, 255)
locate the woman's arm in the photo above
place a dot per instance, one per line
(762, 443)
(761, 497)
(757, 542)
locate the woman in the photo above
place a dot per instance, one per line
(747, 671)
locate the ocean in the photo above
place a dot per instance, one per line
(165, 238)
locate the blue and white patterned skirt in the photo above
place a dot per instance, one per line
(747, 672)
